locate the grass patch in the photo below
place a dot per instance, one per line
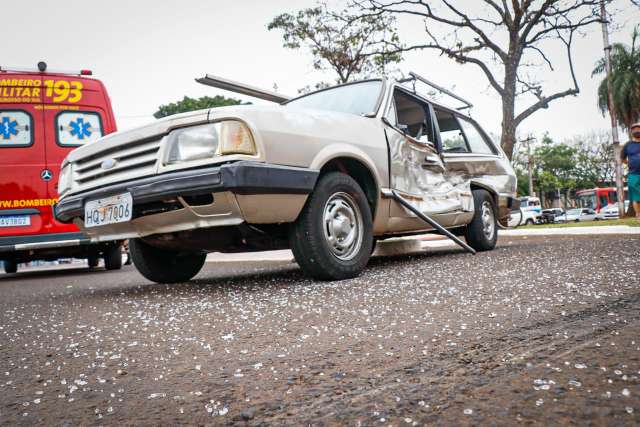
(632, 222)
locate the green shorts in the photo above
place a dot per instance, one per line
(634, 187)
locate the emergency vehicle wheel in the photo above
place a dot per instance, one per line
(482, 233)
(93, 261)
(113, 258)
(163, 265)
(332, 238)
(10, 267)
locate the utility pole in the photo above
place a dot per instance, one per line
(530, 164)
(612, 111)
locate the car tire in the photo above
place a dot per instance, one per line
(482, 232)
(10, 267)
(529, 222)
(332, 239)
(93, 261)
(113, 258)
(163, 265)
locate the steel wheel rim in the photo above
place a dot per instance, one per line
(488, 221)
(342, 225)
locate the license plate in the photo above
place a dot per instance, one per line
(110, 210)
(15, 221)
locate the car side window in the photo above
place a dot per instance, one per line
(451, 133)
(76, 128)
(412, 117)
(16, 128)
(477, 142)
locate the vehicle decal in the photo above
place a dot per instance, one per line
(79, 128)
(37, 91)
(15, 128)
(8, 128)
(26, 203)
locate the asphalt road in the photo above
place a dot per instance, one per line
(542, 331)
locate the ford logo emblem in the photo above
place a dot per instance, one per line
(108, 164)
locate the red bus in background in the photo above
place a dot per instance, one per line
(43, 116)
(597, 198)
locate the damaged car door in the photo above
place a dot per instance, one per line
(416, 168)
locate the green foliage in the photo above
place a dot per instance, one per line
(554, 166)
(193, 104)
(585, 161)
(349, 43)
(625, 81)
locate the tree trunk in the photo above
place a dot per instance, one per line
(508, 137)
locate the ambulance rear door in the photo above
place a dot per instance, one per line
(74, 116)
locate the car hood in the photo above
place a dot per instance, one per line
(277, 122)
(154, 129)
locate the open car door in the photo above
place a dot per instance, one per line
(417, 171)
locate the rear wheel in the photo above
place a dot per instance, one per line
(332, 239)
(482, 233)
(113, 258)
(529, 222)
(164, 265)
(93, 261)
(10, 267)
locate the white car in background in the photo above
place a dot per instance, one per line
(611, 211)
(523, 217)
(577, 214)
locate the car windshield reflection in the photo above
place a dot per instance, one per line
(356, 98)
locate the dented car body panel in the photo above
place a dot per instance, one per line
(394, 146)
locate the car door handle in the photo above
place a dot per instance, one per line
(432, 161)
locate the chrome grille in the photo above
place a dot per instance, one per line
(137, 159)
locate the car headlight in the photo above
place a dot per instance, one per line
(64, 180)
(206, 141)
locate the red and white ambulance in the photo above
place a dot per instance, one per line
(44, 115)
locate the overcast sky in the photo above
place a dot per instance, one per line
(148, 53)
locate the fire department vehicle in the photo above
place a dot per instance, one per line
(43, 116)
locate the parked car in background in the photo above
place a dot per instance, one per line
(523, 217)
(611, 211)
(531, 210)
(43, 116)
(320, 174)
(549, 216)
(577, 214)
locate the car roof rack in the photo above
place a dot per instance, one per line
(245, 89)
(415, 76)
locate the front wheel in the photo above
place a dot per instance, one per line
(482, 232)
(164, 265)
(332, 239)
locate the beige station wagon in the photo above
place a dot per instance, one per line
(325, 174)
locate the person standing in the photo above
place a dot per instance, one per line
(631, 155)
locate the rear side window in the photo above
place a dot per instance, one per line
(451, 133)
(75, 128)
(476, 141)
(16, 128)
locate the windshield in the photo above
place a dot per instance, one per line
(357, 98)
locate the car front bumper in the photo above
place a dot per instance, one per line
(241, 192)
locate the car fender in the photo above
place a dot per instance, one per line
(340, 150)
